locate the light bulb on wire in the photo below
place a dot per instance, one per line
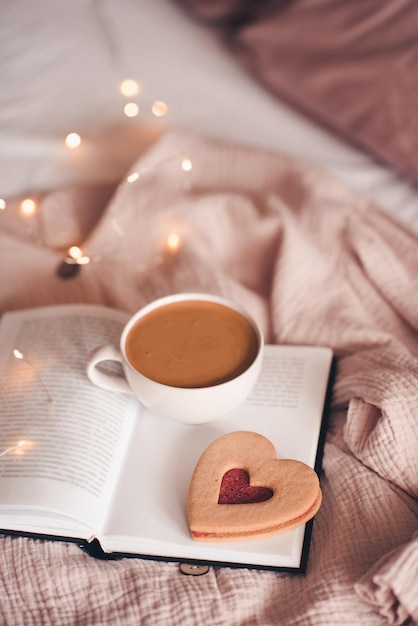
(159, 108)
(131, 109)
(129, 87)
(28, 206)
(21, 357)
(72, 141)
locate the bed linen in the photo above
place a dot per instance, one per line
(61, 66)
(349, 65)
(315, 263)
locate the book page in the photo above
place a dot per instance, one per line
(149, 511)
(61, 438)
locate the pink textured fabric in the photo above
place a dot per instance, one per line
(349, 65)
(388, 585)
(316, 264)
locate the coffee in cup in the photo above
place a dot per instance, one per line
(191, 343)
(189, 357)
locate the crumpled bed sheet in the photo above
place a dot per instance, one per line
(316, 264)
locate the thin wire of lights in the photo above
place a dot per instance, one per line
(21, 357)
(18, 448)
(129, 88)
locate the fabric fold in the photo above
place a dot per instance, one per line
(387, 585)
(315, 263)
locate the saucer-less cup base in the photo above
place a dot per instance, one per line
(185, 405)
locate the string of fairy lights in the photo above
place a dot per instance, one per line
(24, 445)
(29, 207)
(74, 257)
(130, 90)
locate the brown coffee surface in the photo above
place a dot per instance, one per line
(191, 344)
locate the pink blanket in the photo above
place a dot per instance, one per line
(316, 264)
(348, 65)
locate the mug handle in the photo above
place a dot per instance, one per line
(108, 352)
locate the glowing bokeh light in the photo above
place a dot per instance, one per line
(159, 108)
(173, 242)
(28, 206)
(186, 164)
(83, 260)
(73, 140)
(2, 203)
(129, 87)
(22, 446)
(131, 109)
(74, 252)
(132, 177)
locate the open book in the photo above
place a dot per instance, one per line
(81, 463)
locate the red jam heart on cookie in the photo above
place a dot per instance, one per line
(236, 489)
(281, 495)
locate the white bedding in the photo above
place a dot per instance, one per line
(61, 64)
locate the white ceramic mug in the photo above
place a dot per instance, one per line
(188, 405)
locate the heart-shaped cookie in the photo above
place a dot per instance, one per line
(296, 494)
